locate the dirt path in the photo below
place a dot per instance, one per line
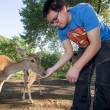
(57, 95)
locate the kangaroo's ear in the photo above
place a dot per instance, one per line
(21, 52)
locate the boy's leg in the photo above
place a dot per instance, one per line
(102, 97)
(82, 98)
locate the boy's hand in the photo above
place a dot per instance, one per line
(48, 72)
(73, 74)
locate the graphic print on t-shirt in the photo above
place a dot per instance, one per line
(79, 36)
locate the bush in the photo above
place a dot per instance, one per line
(48, 60)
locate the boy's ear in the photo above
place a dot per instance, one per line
(64, 9)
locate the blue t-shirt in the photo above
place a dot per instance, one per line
(84, 16)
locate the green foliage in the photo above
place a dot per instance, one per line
(18, 75)
(37, 31)
(59, 75)
(8, 47)
(48, 60)
(34, 24)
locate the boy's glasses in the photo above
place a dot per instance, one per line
(55, 19)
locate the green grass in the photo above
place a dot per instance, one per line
(59, 75)
(18, 76)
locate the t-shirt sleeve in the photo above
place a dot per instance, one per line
(62, 35)
(89, 18)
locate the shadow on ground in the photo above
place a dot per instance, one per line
(57, 95)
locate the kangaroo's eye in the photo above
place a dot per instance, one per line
(33, 61)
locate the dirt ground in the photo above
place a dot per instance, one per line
(57, 95)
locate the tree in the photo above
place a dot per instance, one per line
(8, 46)
(37, 32)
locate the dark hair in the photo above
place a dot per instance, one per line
(55, 5)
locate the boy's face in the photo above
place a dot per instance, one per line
(58, 19)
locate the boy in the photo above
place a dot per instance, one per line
(81, 25)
